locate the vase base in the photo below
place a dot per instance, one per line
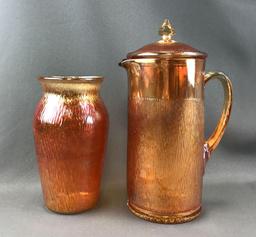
(70, 212)
(73, 204)
(164, 219)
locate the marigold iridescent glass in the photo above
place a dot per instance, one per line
(70, 130)
(167, 150)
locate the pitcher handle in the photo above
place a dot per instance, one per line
(212, 142)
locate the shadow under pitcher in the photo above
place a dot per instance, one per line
(167, 150)
(70, 131)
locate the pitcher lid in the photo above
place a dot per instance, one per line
(166, 47)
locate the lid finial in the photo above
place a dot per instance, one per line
(166, 30)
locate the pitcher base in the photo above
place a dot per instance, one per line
(163, 219)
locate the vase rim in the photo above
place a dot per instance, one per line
(71, 78)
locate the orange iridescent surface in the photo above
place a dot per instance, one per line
(167, 150)
(70, 131)
(166, 143)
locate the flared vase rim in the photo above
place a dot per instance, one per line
(73, 79)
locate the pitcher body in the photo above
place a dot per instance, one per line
(167, 150)
(165, 137)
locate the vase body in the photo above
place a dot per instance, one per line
(70, 131)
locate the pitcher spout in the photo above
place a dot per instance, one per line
(125, 63)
